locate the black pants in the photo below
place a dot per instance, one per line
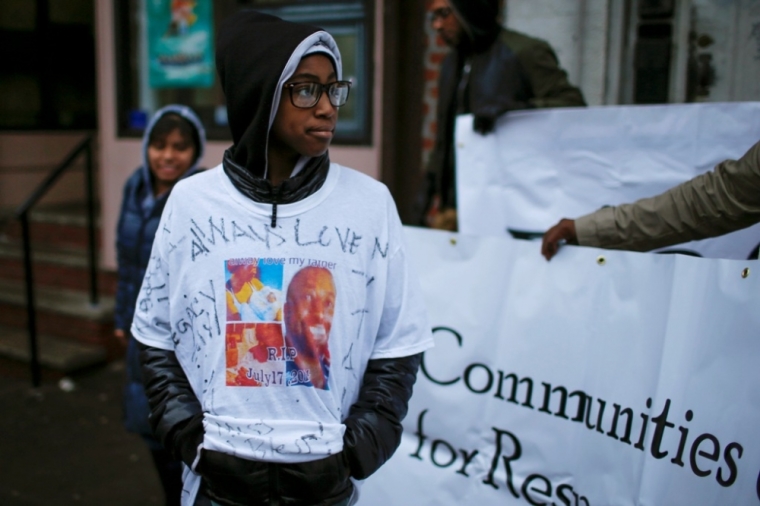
(170, 474)
(203, 500)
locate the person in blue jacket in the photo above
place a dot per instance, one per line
(172, 146)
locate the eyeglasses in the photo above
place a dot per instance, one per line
(440, 13)
(307, 95)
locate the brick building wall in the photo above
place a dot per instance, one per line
(435, 51)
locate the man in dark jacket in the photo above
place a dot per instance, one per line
(490, 71)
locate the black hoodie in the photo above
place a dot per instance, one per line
(492, 71)
(255, 54)
(479, 20)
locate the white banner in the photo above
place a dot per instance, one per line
(599, 378)
(540, 166)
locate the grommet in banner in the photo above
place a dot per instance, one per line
(453, 241)
(745, 272)
(601, 260)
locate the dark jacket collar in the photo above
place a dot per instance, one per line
(306, 182)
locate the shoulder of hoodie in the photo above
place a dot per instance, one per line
(198, 180)
(133, 183)
(351, 179)
(138, 177)
(520, 42)
(359, 181)
(135, 178)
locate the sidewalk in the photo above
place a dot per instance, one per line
(69, 448)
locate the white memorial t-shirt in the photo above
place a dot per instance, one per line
(274, 326)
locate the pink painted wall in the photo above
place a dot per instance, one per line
(26, 159)
(119, 157)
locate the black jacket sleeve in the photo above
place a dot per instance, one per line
(176, 414)
(373, 426)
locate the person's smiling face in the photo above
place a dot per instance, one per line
(169, 158)
(306, 132)
(309, 310)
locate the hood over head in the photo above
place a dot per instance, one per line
(256, 53)
(186, 113)
(479, 20)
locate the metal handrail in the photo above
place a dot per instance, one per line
(22, 214)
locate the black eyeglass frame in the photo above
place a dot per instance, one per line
(322, 88)
(439, 13)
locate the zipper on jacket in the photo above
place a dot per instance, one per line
(274, 484)
(463, 102)
(274, 205)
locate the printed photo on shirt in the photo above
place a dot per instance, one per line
(285, 342)
(309, 310)
(254, 289)
(255, 355)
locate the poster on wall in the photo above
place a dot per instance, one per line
(180, 43)
(600, 378)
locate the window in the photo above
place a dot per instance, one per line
(47, 79)
(141, 93)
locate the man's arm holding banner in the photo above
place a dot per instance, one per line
(541, 165)
(708, 205)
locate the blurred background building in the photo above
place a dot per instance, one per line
(73, 68)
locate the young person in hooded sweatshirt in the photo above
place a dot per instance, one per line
(280, 327)
(173, 144)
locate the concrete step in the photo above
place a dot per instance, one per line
(54, 266)
(66, 314)
(65, 235)
(54, 353)
(60, 224)
(44, 252)
(72, 213)
(61, 280)
(68, 213)
(61, 301)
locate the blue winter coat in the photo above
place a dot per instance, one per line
(138, 222)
